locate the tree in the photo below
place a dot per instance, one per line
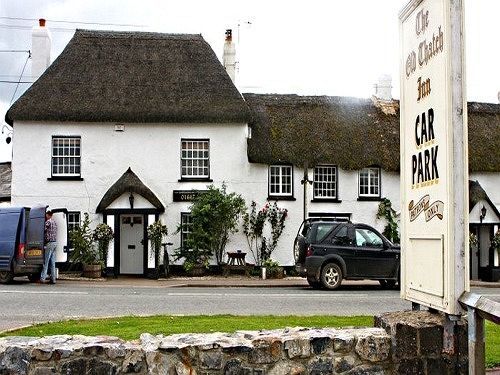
(214, 217)
(156, 232)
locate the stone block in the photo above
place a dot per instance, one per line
(413, 366)
(373, 347)
(134, 360)
(43, 371)
(436, 366)
(41, 354)
(406, 341)
(321, 345)
(211, 359)
(15, 360)
(298, 348)
(321, 366)
(76, 366)
(343, 364)
(430, 341)
(99, 367)
(93, 350)
(343, 343)
(369, 370)
(114, 352)
(266, 351)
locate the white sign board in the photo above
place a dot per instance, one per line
(434, 186)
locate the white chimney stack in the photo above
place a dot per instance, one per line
(383, 88)
(41, 43)
(229, 56)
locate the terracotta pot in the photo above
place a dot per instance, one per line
(92, 271)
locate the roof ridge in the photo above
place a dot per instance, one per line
(90, 33)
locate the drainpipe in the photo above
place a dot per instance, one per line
(304, 182)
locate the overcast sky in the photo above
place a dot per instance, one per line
(316, 47)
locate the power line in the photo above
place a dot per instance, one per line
(73, 22)
(15, 50)
(19, 27)
(21, 76)
(1, 81)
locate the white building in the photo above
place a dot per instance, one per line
(125, 126)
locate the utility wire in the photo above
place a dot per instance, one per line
(73, 22)
(1, 81)
(21, 76)
(14, 50)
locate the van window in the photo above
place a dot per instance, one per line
(341, 238)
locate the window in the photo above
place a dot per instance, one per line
(66, 154)
(325, 182)
(73, 220)
(195, 161)
(368, 238)
(341, 238)
(186, 222)
(369, 182)
(280, 180)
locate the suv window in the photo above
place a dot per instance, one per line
(322, 229)
(368, 238)
(341, 238)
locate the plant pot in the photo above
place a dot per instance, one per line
(92, 271)
(276, 273)
(197, 271)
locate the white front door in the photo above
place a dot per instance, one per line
(131, 244)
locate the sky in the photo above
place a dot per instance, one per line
(318, 47)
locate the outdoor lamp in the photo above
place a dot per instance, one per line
(8, 139)
(483, 214)
(131, 200)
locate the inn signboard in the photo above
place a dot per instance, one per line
(434, 212)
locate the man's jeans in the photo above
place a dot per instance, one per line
(50, 257)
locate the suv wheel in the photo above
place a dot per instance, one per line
(313, 283)
(6, 277)
(331, 276)
(387, 284)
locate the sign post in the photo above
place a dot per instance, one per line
(434, 165)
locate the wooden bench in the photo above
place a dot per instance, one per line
(236, 262)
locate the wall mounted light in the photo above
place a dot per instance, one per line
(131, 200)
(483, 214)
(8, 139)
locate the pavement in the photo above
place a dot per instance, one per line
(235, 281)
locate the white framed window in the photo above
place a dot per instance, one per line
(66, 156)
(369, 182)
(195, 158)
(280, 180)
(73, 220)
(325, 182)
(186, 222)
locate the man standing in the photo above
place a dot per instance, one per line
(50, 248)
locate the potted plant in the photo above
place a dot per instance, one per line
(156, 233)
(103, 235)
(273, 270)
(84, 250)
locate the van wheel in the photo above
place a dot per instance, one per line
(313, 283)
(34, 277)
(6, 277)
(331, 276)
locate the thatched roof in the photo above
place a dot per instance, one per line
(351, 133)
(477, 194)
(108, 76)
(128, 183)
(5, 181)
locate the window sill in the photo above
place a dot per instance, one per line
(370, 199)
(280, 198)
(65, 178)
(326, 200)
(193, 179)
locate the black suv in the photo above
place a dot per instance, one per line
(343, 250)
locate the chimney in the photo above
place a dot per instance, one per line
(41, 43)
(229, 56)
(383, 88)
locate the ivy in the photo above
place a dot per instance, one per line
(386, 211)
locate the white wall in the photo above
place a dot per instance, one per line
(153, 153)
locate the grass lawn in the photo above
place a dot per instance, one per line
(130, 327)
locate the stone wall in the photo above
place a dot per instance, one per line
(389, 350)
